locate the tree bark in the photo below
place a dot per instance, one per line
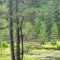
(17, 35)
(22, 37)
(11, 33)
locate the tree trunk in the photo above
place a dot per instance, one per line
(22, 37)
(11, 32)
(17, 35)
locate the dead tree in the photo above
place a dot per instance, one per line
(17, 34)
(11, 32)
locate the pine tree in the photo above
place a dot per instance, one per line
(57, 15)
(37, 24)
(42, 37)
(54, 34)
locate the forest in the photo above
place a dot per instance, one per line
(30, 29)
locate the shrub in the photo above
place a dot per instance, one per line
(4, 44)
(58, 45)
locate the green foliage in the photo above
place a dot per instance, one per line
(58, 45)
(41, 20)
(35, 11)
(4, 44)
(49, 46)
(43, 34)
(28, 30)
(3, 24)
(0, 44)
(37, 24)
(3, 21)
(25, 58)
(54, 34)
(4, 34)
(3, 10)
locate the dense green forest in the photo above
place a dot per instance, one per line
(41, 21)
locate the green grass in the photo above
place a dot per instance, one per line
(6, 52)
(25, 58)
(5, 58)
(36, 51)
(48, 46)
(58, 45)
(9, 58)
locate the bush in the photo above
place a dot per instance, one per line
(4, 44)
(58, 45)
